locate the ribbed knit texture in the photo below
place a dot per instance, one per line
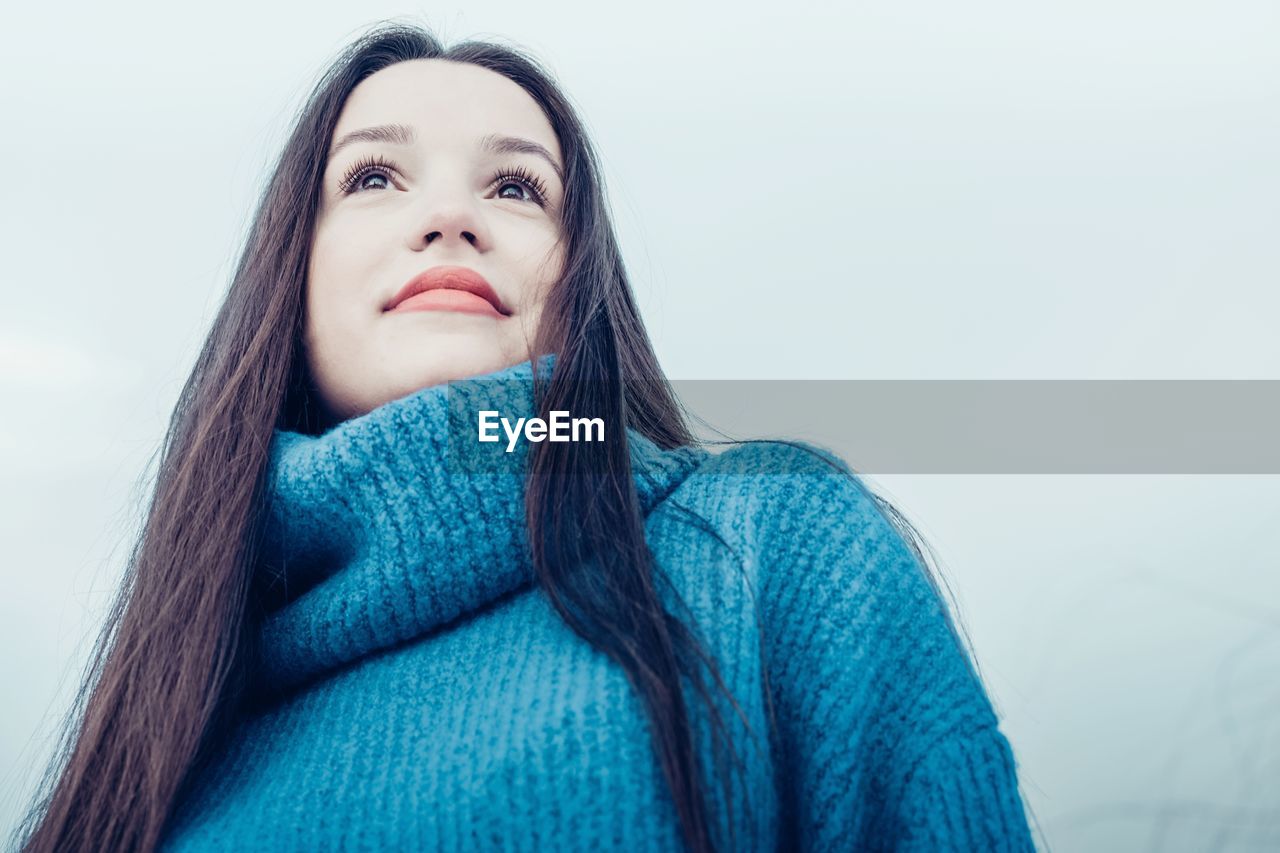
(417, 690)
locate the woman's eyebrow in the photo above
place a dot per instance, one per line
(401, 134)
(499, 144)
(396, 134)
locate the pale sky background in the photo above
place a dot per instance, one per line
(986, 190)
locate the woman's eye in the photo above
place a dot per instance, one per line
(522, 195)
(531, 187)
(527, 186)
(360, 184)
(372, 167)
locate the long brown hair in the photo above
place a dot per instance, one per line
(169, 668)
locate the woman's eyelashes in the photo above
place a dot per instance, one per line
(519, 176)
(354, 181)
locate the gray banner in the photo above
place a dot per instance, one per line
(1009, 426)
(965, 426)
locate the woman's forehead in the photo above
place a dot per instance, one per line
(444, 102)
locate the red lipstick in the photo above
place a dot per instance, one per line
(448, 288)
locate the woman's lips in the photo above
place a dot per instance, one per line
(448, 299)
(447, 277)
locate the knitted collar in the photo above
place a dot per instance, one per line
(398, 521)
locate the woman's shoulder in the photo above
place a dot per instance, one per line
(790, 509)
(781, 481)
(807, 528)
(834, 566)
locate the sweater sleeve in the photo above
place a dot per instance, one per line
(887, 739)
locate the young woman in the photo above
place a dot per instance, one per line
(350, 623)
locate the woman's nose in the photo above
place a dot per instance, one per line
(451, 220)
(469, 236)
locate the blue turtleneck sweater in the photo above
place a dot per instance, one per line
(416, 690)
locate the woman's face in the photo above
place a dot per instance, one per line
(442, 193)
